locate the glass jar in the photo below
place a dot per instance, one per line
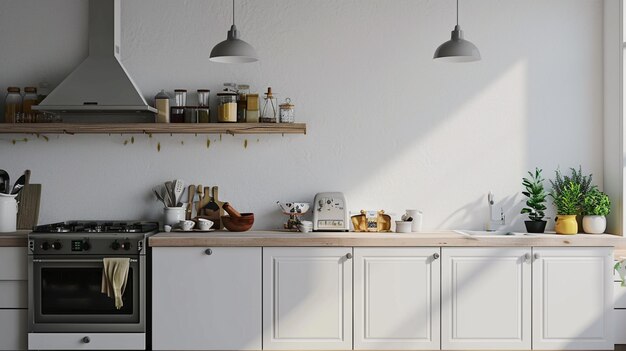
(242, 102)
(287, 112)
(227, 107)
(178, 111)
(203, 105)
(269, 112)
(30, 99)
(12, 104)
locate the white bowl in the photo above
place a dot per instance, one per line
(403, 227)
(294, 207)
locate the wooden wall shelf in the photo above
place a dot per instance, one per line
(153, 128)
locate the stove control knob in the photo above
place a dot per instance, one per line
(115, 245)
(126, 245)
(45, 245)
(86, 245)
(56, 245)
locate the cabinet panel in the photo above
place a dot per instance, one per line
(396, 298)
(13, 294)
(13, 335)
(307, 298)
(572, 298)
(13, 263)
(206, 302)
(486, 296)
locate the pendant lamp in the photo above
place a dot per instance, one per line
(233, 49)
(457, 49)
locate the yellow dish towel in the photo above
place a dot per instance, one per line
(114, 277)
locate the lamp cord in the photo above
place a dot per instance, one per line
(234, 12)
(457, 12)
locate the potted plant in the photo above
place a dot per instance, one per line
(567, 203)
(576, 177)
(596, 206)
(536, 195)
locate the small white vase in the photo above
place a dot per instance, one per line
(594, 224)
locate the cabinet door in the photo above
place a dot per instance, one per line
(572, 298)
(396, 298)
(206, 301)
(13, 335)
(486, 296)
(307, 298)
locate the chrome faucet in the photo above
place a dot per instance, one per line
(494, 224)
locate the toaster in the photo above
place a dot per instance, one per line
(330, 212)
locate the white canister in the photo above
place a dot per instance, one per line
(173, 215)
(8, 213)
(403, 227)
(594, 224)
(416, 224)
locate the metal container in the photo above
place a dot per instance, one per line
(162, 104)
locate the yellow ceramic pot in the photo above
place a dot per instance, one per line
(566, 224)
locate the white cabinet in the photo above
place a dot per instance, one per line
(396, 298)
(206, 299)
(13, 298)
(307, 298)
(486, 296)
(572, 298)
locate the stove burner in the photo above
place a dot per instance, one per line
(97, 227)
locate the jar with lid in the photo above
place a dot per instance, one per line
(269, 112)
(203, 105)
(227, 106)
(30, 99)
(287, 113)
(12, 104)
(178, 111)
(242, 101)
(162, 104)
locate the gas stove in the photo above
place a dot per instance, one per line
(91, 238)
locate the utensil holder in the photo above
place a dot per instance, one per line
(8, 213)
(173, 215)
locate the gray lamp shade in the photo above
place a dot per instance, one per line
(457, 49)
(233, 50)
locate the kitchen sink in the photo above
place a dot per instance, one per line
(487, 233)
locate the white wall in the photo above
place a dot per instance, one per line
(387, 125)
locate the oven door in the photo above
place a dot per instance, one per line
(65, 296)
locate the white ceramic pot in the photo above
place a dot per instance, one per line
(8, 213)
(173, 215)
(403, 227)
(594, 224)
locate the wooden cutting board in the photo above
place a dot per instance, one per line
(28, 206)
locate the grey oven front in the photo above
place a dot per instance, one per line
(65, 296)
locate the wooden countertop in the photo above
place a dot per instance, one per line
(15, 239)
(443, 238)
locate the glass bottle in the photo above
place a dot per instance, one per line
(203, 105)
(242, 102)
(287, 113)
(180, 101)
(30, 99)
(227, 106)
(12, 104)
(269, 112)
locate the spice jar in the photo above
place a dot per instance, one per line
(227, 106)
(203, 103)
(287, 113)
(268, 113)
(12, 104)
(180, 101)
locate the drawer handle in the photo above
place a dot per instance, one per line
(536, 255)
(349, 256)
(86, 340)
(208, 252)
(436, 256)
(527, 257)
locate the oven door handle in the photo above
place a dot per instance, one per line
(73, 261)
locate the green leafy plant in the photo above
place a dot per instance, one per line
(561, 183)
(596, 203)
(536, 195)
(567, 202)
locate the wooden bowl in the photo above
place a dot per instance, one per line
(238, 224)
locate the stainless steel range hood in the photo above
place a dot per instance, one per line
(100, 84)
